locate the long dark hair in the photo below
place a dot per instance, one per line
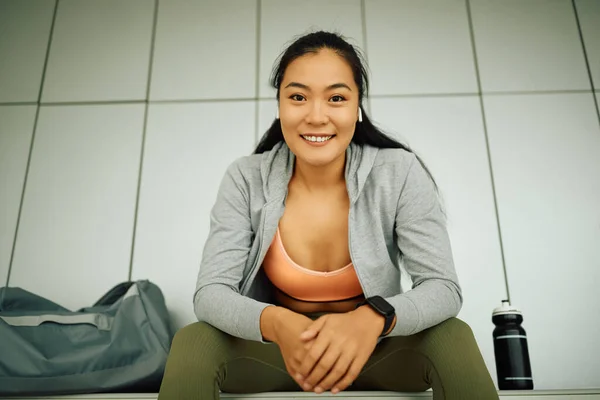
(365, 132)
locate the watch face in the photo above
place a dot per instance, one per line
(381, 305)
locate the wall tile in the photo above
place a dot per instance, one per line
(74, 241)
(419, 47)
(100, 51)
(16, 128)
(528, 46)
(267, 110)
(205, 50)
(589, 19)
(546, 167)
(188, 148)
(24, 33)
(283, 20)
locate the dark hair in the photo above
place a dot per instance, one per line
(365, 132)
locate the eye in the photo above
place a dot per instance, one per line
(297, 97)
(337, 98)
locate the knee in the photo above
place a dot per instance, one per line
(457, 328)
(196, 353)
(195, 334)
(452, 330)
(199, 342)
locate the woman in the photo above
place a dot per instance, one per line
(299, 283)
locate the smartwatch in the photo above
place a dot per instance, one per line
(382, 307)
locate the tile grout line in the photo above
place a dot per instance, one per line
(254, 99)
(363, 20)
(32, 143)
(487, 145)
(586, 59)
(257, 74)
(481, 93)
(143, 144)
(19, 103)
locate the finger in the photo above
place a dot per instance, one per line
(298, 356)
(313, 329)
(292, 372)
(312, 356)
(301, 351)
(338, 371)
(322, 369)
(353, 372)
(294, 376)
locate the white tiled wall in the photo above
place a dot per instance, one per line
(589, 18)
(16, 128)
(283, 20)
(188, 148)
(547, 172)
(528, 46)
(100, 51)
(197, 41)
(83, 225)
(24, 33)
(75, 234)
(431, 51)
(267, 109)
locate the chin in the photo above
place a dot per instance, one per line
(319, 160)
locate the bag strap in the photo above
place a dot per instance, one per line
(100, 321)
(114, 294)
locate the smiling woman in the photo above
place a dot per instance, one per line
(299, 284)
(318, 100)
(327, 78)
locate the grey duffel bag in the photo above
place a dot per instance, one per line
(120, 344)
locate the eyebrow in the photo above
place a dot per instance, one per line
(330, 87)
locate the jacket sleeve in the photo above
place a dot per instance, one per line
(424, 243)
(217, 299)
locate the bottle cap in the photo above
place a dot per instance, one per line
(506, 308)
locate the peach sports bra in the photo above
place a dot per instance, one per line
(305, 284)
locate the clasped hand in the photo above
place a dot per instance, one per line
(328, 353)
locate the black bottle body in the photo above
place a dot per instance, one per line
(511, 351)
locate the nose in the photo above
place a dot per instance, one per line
(317, 114)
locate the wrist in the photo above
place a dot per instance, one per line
(371, 318)
(381, 307)
(269, 320)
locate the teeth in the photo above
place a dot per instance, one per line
(317, 139)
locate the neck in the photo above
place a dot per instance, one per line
(316, 178)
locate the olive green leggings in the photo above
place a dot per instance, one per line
(204, 360)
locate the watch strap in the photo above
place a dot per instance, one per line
(388, 319)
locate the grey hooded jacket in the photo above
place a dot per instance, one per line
(395, 219)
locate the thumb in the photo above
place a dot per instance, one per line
(313, 329)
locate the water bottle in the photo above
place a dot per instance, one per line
(510, 349)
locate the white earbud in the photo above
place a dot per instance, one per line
(359, 114)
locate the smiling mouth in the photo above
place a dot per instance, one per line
(317, 139)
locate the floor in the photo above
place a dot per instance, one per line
(504, 395)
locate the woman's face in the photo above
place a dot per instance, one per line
(318, 107)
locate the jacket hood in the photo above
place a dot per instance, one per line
(277, 166)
